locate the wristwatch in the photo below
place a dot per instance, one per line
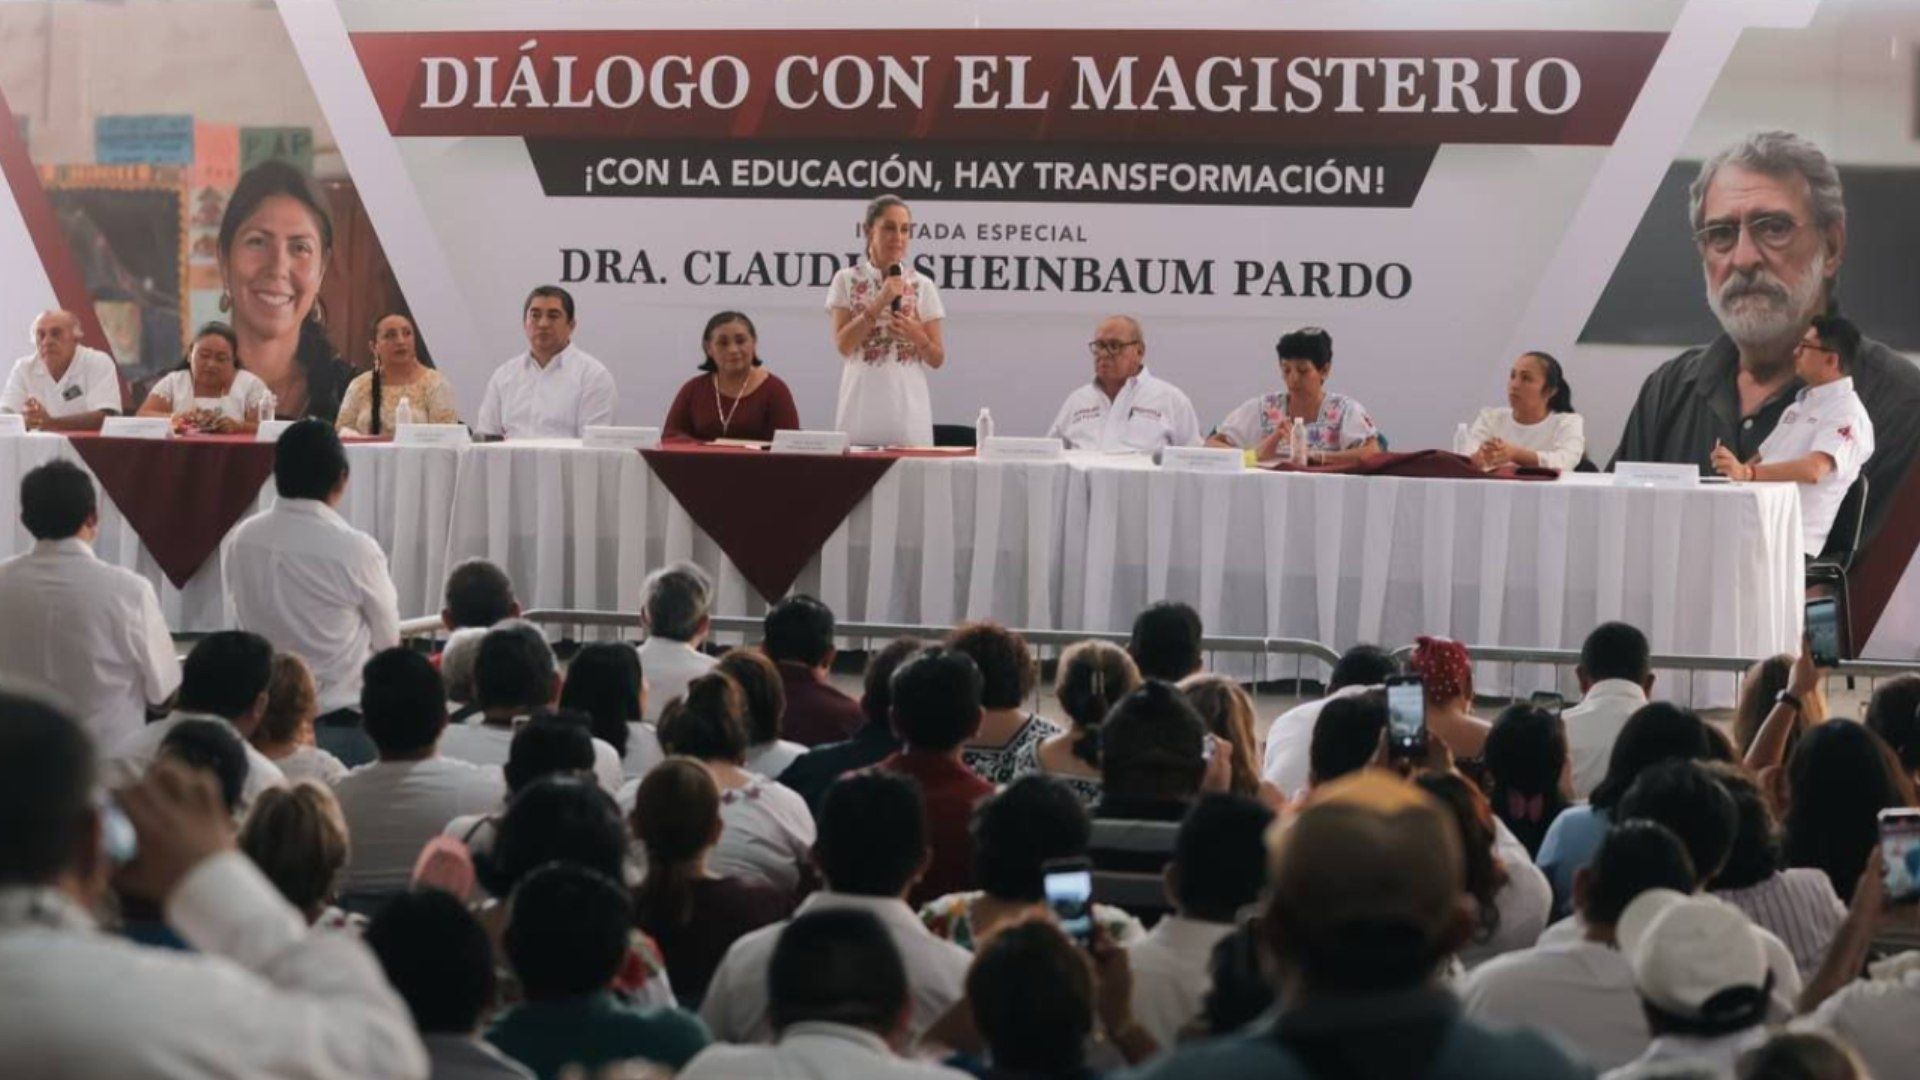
(1785, 697)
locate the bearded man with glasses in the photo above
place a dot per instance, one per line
(1770, 223)
(1125, 408)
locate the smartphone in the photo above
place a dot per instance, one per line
(1823, 630)
(117, 835)
(1406, 715)
(1548, 700)
(1069, 888)
(1900, 851)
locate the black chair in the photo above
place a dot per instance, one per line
(954, 435)
(1830, 568)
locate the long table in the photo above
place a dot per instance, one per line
(1086, 542)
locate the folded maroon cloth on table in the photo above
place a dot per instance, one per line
(181, 496)
(1423, 464)
(770, 513)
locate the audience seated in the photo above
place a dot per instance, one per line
(765, 697)
(1702, 979)
(313, 585)
(839, 997)
(768, 829)
(1153, 762)
(604, 683)
(1216, 875)
(439, 960)
(1511, 894)
(1526, 769)
(872, 848)
(1242, 989)
(211, 747)
(1894, 714)
(692, 911)
(285, 734)
(1581, 989)
(673, 610)
(1093, 677)
(399, 802)
(1840, 777)
(1360, 668)
(798, 636)
(266, 996)
(1759, 688)
(566, 937)
(541, 747)
(1346, 736)
(1165, 643)
(1016, 832)
(1033, 996)
(1872, 1006)
(1227, 709)
(223, 680)
(936, 708)
(1446, 671)
(1008, 674)
(457, 661)
(298, 838)
(1807, 1054)
(1615, 677)
(812, 772)
(1364, 907)
(515, 678)
(76, 627)
(478, 595)
(1797, 904)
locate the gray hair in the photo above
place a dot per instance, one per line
(1778, 154)
(457, 662)
(675, 599)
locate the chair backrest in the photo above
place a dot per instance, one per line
(1129, 856)
(1843, 540)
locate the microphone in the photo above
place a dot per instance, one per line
(894, 271)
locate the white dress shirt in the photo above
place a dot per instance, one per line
(316, 587)
(1290, 738)
(240, 402)
(1560, 440)
(480, 743)
(87, 634)
(735, 1008)
(668, 666)
(1146, 414)
(134, 755)
(1593, 725)
(1691, 1056)
(1826, 419)
(91, 384)
(1172, 972)
(264, 996)
(311, 763)
(527, 401)
(394, 807)
(814, 1051)
(1786, 977)
(1580, 990)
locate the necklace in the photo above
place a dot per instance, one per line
(726, 416)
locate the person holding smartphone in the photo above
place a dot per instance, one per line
(1446, 672)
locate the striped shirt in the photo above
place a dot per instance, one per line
(1799, 906)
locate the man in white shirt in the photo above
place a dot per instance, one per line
(1289, 738)
(78, 628)
(225, 681)
(1616, 675)
(263, 996)
(1702, 978)
(395, 805)
(872, 848)
(1218, 868)
(313, 585)
(516, 677)
(1582, 990)
(63, 385)
(478, 594)
(1125, 408)
(1824, 438)
(553, 390)
(673, 608)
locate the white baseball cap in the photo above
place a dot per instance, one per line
(1694, 957)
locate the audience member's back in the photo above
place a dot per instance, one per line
(936, 709)
(440, 961)
(1165, 643)
(1615, 678)
(799, 638)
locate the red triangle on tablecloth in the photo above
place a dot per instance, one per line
(181, 496)
(770, 513)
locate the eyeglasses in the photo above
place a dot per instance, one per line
(1108, 345)
(1769, 231)
(1813, 346)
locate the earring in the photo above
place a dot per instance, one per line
(226, 301)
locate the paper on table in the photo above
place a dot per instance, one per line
(750, 444)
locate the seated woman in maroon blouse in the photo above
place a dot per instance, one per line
(737, 398)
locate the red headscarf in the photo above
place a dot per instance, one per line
(1443, 665)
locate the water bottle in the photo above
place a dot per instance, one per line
(983, 427)
(403, 413)
(1462, 440)
(266, 407)
(1297, 443)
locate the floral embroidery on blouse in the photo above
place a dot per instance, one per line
(1002, 764)
(950, 918)
(1323, 431)
(882, 344)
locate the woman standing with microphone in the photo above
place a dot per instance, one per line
(886, 323)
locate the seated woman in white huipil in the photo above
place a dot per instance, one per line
(1538, 427)
(886, 323)
(209, 392)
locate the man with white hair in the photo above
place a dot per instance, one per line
(673, 607)
(1770, 222)
(63, 385)
(1125, 408)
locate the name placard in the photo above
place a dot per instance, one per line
(270, 430)
(1655, 474)
(137, 427)
(1021, 448)
(810, 442)
(431, 435)
(609, 437)
(1207, 459)
(12, 423)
